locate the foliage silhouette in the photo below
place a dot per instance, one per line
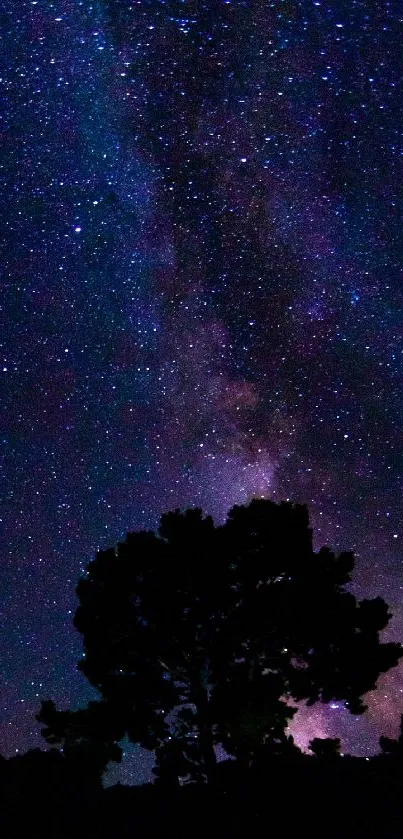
(88, 735)
(326, 747)
(392, 747)
(201, 635)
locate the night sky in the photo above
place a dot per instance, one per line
(202, 300)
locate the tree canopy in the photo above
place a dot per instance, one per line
(392, 747)
(199, 635)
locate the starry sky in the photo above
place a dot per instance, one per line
(202, 300)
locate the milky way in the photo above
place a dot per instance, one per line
(201, 299)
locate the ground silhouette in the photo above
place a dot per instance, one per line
(284, 796)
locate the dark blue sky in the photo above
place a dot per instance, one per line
(201, 298)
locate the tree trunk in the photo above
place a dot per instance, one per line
(205, 735)
(207, 751)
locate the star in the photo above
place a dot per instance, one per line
(201, 303)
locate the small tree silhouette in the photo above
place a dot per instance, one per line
(217, 629)
(89, 736)
(326, 747)
(393, 747)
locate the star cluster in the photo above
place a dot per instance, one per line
(202, 298)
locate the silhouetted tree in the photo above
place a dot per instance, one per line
(325, 747)
(215, 629)
(393, 747)
(89, 736)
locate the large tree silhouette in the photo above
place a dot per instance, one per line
(200, 635)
